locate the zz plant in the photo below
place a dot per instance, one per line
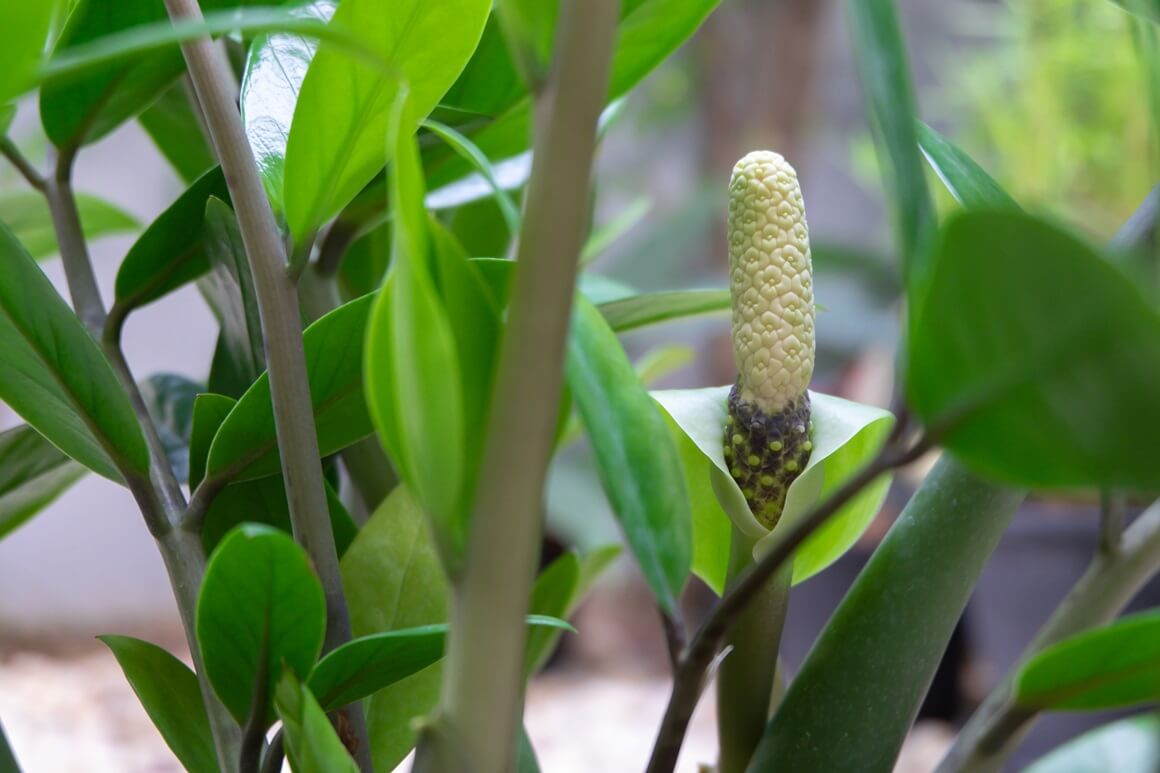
(350, 505)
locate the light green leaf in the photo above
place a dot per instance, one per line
(171, 696)
(26, 213)
(246, 445)
(1145, 9)
(336, 138)
(557, 592)
(652, 308)
(845, 435)
(968, 182)
(275, 69)
(55, 375)
(312, 745)
(638, 464)
(25, 28)
(393, 581)
(1129, 745)
(471, 152)
(649, 31)
(1106, 668)
(260, 608)
(175, 128)
(33, 473)
(604, 236)
(1034, 360)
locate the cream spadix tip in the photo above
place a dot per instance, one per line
(771, 281)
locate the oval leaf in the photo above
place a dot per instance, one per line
(1107, 668)
(26, 27)
(639, 466)
(56, 377)
(260, 606)
(312, 745)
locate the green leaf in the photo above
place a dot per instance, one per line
(471, 152)
(8, 763)
(312, 745)
(846, 435)
(275, 69)
(1128, 745)
(26, 27)
(260, 607)
(857, 693)
(55, 375)
(246, 445)
(556, 594)
(169, 692)
(336, 138)
(652, 308)
(169, 399)
(1034, 360)
(638, 464)
(26, 213)
(175, 128)
(209, 411)
(393, 580)
(649, 31)
(526, 761)
(172, 251)
(33, 473)
(412, 362)
(604, 236)
(880, 54)
(968, 182)
(1145, 9)
(229, 289)
(1106, 668)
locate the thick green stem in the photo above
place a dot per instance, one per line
(1105, 588)
(745, 679)
(484, 669)
(282, 330)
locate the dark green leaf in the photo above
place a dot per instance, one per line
(336, 139)
(1145, 9)
(172, 250)
(638, 463)
(1036, 360)
(275, 69)
(175, 128)
(261, 607)
(209, 411)
(488, 84)
(26, 27)
(393, 581)
(312, 745)
(229, 289)
(32, 474)
(26, 213)
(170, 399)
(366, 262)
(558, 591)
(8, 762)
(526, 761)
(246, 445)
(968, 182)
(651, 308)
(1105, 668)
(856, 696)
(1128, 745)
(169, 692)
(882, 64)
(55, 375)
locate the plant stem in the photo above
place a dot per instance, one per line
(282, 330)
(74, 253)
(9, 150)
(746, 674)
(691, 676)
(484, 669)
(1105, 588)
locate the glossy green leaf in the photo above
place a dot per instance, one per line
(1105, 668)
(393, 580)
(169, 399)
(471, 152)
(175, 128)
(1129, 745)
(33, 473)
(26, 27)
(1034, 359)
(229, 290)
(169, 692)
(880, 56)
(260, 607)
(209, 411)
(312, 745)
(27, 214)
(846, 435)
(489, 84)
(172, 251)
(652, 308)
(649, 31)
(336, 139)
(638, 464)
(275, 69)
(858, 691)
(1145, 9)
(55, 375)
(246, 444)
(968, 182)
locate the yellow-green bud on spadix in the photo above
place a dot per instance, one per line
(771, 279)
